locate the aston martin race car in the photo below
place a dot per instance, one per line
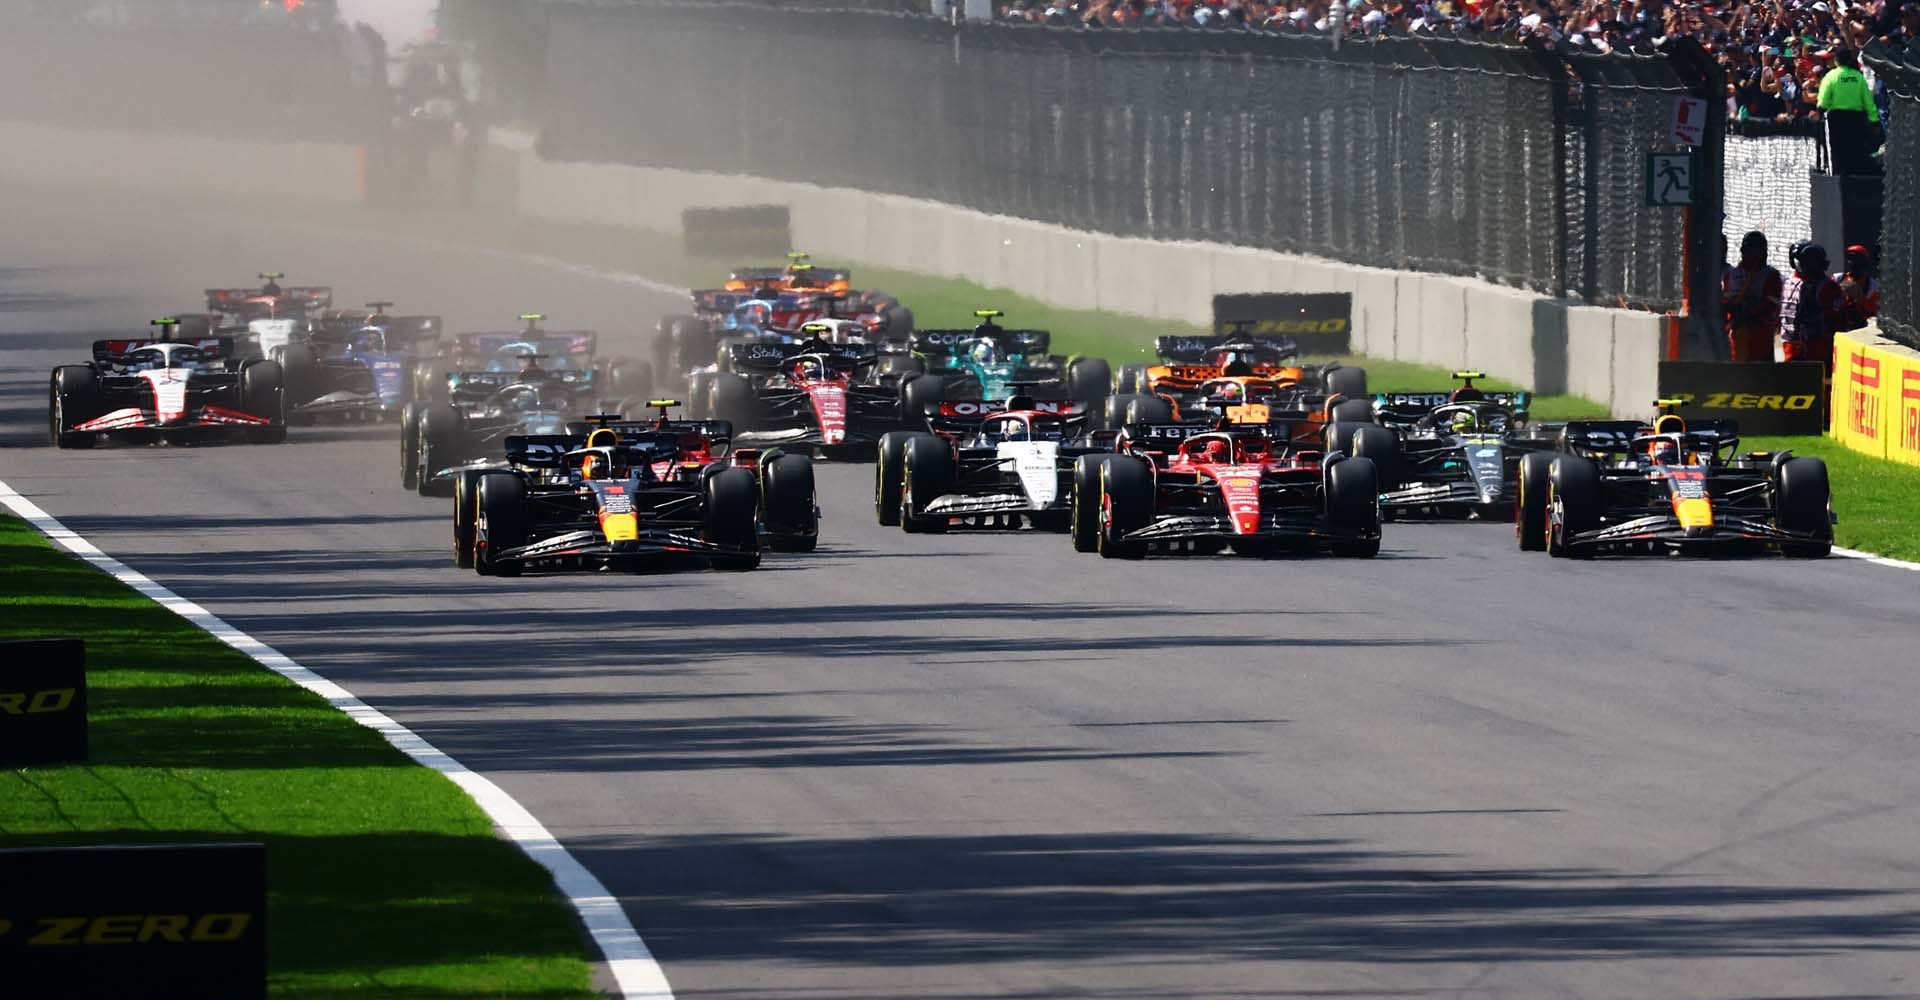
(1178, 489)
(618, 502)
(166, 390)
(1451, 453)
(1194, 370)
(993, 362)
(985, 465)
(1623, 487)
(812, 396)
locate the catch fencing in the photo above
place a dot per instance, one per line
(1768, 173)
(1900, 218)
(1446, 155)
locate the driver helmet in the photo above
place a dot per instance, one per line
(522, 400)
(1218, 452)
(530, 365)
(1232, 391)
(272, 287)
(1663, 451)
(984, 353)
(594, 466)
(1461, 422)
(370, 338)
(808, 369)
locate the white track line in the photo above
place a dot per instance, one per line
(635, 971)
(1877, 560)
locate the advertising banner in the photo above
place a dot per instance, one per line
(43, 702)
(1320, 322)
(753, 231)
(1764, 398)
(1876, 396)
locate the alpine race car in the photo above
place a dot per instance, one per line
(993, 362)
(812, 396)
(1623, 486)
(1192, 368)
(622, 502)
(985, 465)
(166, 390)
(1447, 454)
(1196, 489)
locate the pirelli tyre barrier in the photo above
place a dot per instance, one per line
(1876, 396)
(43, 702)
(149, 922)
(1765, 398)
(1319, 322)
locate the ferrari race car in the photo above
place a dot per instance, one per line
(1622, 486)
(630, 501)
(356, 366)
(987, 465)
(1198, 370)
(1446, 454)
(1195, 489)
(166, 390)
(814, 395)
(993, 362)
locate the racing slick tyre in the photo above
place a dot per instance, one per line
(300, 374)
(466, 513)
(1353, 508)
(899, 321)
(410, 447)
(1573, 501)
(1342, 380)
(1113, 411)
(902, 366)
(734, 401)
(502, 522)
(789, 506)
(700, 395)
(1352, 411)
(1530, 506)
(889, 468)
(1126, 505)
(732, 518)
(430, 383)
(1801, 501)
(1383, 446)
(693, 344)
(263, 394)
(1149, 410)
(929, 469)
(72, 398)
(1129, 378)
(629, 377)
(442, 428)
(918, 393)
(1088, 380)
(662, 345)
(1339, 437)
(1085, 502)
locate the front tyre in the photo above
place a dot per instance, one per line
(72, 399)
(1353, 508)
(1126, 506)
(1573, 503)
(731, 518)
(466, 516)
(890, 467)
(1530, 505)
(788, 504)
(1085, 503)
(1803, 504)
(929, 475)
(503, 523)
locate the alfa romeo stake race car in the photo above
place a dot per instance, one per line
(991, 465)
(1625, 486)
(813, 396)
(166, 390)
(1447, 454)
(992, 362)
(1194, 489)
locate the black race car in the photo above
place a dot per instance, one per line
(985, 465)
(481, 410)
(1450, 453)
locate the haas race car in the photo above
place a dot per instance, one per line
(609, 500)
(271, 315)
(1622, 487)
(1179, 489)
(166, 390)
(991, 465)
(1447, 454)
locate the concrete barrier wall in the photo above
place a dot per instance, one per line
(1607, 355)
(322, 173)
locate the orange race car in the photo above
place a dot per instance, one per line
(1245, 377)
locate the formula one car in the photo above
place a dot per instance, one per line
(814, 396)
(1449, 453)
(1194, 489)
(1192, 369)
(985, 465)
(573, 351)
(1622, 486)
(756, 300)
(343, 371)
(166, 390)
(272, 315)
(629, 501)
(993, 362)
(482, 410)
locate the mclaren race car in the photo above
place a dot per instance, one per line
(987, 465)
(1191, 367)
(991, 362)
(166, 390)
(1194, 489)
(1622, 487)
(1447, 454)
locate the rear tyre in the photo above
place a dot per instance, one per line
(502, 523)
(1113, 410)
(734, 402)
(1801, 502)
(1149, 410)
(1358, 411)
(1530, 506)
(929, 476)
(1345, 381)
(1339, 437)
(443, 435)
(890, 466)
(1088, 381)
(1085, 525)
(300, 375)
(466, 514)
(700, 395)
(73, 397)
(916, 395)
(1126, 505)
(1353, 508)
(1382, 445)
(693, 344)
(789, 507)
(1573, 502)
(732, 510)
(630, 377)
(263, 394)
(902, 366)
(1129, 379)
(410, 447)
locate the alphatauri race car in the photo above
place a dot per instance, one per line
(166, 390)
(1179, 489)
(985, 465)
(1624, 487)
(1449, 453)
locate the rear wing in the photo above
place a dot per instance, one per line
(550, 451)
(111, 351)
(1159, 437)
(766, 356)
(718, 300)
(574, 344)
(950, 342)
(1416, 404)
(717, 431)
(308, 296)
(1616, 436)
(1188, 349)
(966, 415)
(472, 383)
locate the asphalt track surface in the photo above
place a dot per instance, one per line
(982, 766)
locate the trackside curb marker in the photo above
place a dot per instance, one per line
(1877, 560)
(635, 972)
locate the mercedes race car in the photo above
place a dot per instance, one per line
(1194, 489)
(166, 390)
(985, 465)
(646, 497)
(991, 362)
(1623, 486)
(1447, 454)
(481, 411)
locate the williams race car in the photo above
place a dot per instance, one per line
(356, 367)
(986, 465)
(166, 390)
(1620, 487)
(1447, 454)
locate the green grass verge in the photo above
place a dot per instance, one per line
(384, 878)
(1877, 501)
(935, 301)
